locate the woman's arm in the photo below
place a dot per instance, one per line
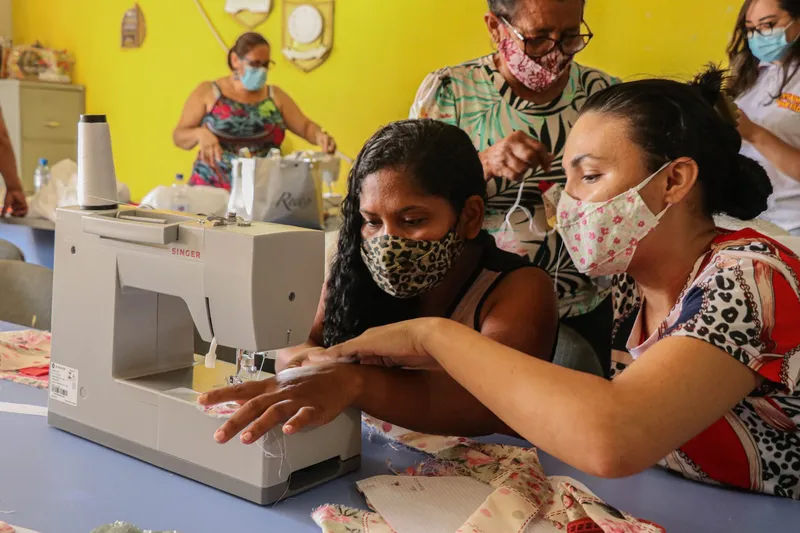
(617, 428)
(15, 197)
(785, 157)
(521, 312)
(189, 130)
(301, 125)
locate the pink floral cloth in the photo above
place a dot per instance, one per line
(25, 357)
(222, 410)
(522, 491)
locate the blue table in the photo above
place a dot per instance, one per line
(58, 483)
(34, 236)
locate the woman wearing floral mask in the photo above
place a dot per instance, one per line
(241, 111)
(706, 369)
(411, 245)
(518, 105)
(765, 57)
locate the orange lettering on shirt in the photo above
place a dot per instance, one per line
(789, 101)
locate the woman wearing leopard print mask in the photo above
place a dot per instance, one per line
(411, 245)
(706, 365)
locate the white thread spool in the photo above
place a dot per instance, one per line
(97, 179)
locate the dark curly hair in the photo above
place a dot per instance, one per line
(670, 119)
(442, 161)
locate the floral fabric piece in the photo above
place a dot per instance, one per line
(523, 493)
(222, 410)
(25, 357)
(341, 519)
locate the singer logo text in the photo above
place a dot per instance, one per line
(183, 252)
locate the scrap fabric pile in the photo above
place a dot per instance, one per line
(25, 357)
(523, 493)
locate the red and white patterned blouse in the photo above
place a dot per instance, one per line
(744, 298)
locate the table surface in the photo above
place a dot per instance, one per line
(55, 482)
(31, 222)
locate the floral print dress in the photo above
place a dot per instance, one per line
(259, 127)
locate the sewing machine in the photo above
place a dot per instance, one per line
(129, 286)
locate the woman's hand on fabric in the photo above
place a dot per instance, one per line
(513, 157)
(395, 345)
(210, 149)
(15, 203)
(747, 128)
(296, 398)
(326, 142)
(303, 358)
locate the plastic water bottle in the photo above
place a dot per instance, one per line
(180, 195)
(236, 203)
(41, 176)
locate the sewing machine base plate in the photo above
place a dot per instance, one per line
(299, 481)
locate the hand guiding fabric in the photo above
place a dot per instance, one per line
(296, 398)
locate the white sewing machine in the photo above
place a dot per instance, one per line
(129, 286)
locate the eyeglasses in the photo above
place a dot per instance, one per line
(260, 64)
(537, 47)
(765, 30)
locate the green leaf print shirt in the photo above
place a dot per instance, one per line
(475, 97)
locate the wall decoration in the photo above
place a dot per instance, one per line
(249, 13)
(307, 32)
(133, 28)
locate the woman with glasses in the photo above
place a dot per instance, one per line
(765, 59)
(241, 111)
(518, 106)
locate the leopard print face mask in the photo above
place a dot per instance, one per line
(405, 268)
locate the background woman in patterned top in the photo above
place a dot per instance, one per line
(241, 111)
(518, 106)
(707, 350)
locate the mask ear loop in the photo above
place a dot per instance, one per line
(518, 205)
(558, 265)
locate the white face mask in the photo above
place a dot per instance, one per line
(602, 237)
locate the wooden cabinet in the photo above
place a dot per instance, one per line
(5, 19)
(42, 121)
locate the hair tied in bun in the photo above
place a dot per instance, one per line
(727, 109)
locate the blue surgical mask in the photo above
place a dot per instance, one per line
(770, 48)
(254, 78)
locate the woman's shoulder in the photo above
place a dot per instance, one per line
(745, 300)
(593, 79)
(780, 253)
(525, 287)
(467, 70)
(208, 90)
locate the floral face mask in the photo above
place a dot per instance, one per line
(602, 237)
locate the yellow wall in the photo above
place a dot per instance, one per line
(383, 49)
